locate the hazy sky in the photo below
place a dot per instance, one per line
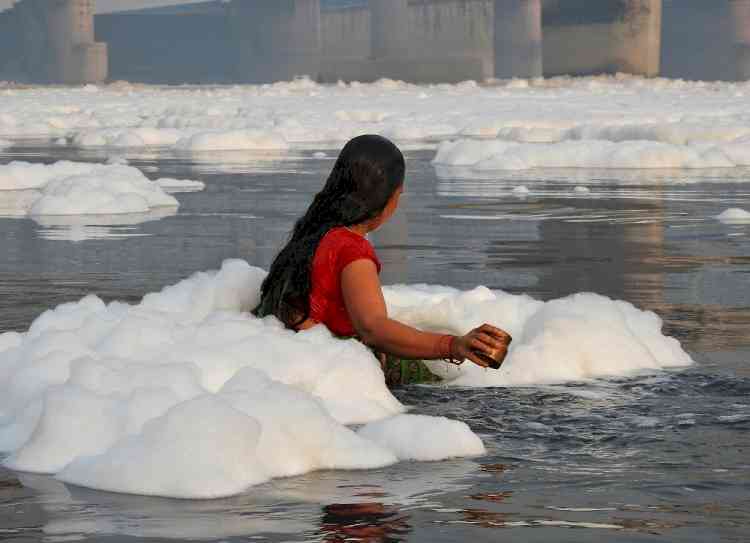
(115, 5)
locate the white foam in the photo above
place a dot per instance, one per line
(115, 159)
(580, 337)
(72, 188)
(180, 185)
(127, 137)
(119, 192)
(413, 437)
(24, 175)
(301, 112)
(112, 396)
(202, 448)
(238, 140)
(734, 215)
(484, 155)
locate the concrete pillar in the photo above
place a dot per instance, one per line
(276, 41)
(60, 19)
(741, 36)
(637, 38)
(72, 55)
(389, 28)
(389, 37)
(518, 38)
(432, 41)
(92, 62)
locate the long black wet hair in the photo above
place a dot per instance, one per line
(369, 170)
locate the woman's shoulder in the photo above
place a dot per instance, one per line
(342, 235)
(348, 246)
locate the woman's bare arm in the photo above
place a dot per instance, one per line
(365, 304)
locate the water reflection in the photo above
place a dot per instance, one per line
(85, 227)
(452, 178)
(239, 162)
(70, 511)
(367, 506)
(368, 522)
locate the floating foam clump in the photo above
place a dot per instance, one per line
(734, 215)
(482, 155)
(24, 175)
(188, 395)
(114, 396)
(180, 185)
(127, 137)
(92, 194)
(239, 140)
(580, 337)
(71, 188)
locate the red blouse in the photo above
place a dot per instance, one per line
(338, 248)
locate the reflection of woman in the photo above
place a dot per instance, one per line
(328, 272)
(367, 522)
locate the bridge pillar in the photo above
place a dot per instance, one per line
(425, 42)
(389, 29)
(63, 48)
(76, 57)
(741, 21)
(276, 40)
(518, 39)
(637, 38)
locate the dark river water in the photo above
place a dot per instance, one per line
(664, 456)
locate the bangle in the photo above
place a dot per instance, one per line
(451, 339)
(446, 344)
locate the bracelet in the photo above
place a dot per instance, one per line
(446, 344)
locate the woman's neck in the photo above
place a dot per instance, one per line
(361, 229)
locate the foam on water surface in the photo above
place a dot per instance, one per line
(734, 215)
(686, 124)
(494, 155)
(76, 188)
(580, 337)
(112, 396)
(180, 185)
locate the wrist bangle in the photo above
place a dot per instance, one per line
(450, 346)
(449, 342)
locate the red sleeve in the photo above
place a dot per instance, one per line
(354, 249)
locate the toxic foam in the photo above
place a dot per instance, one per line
(77, 188)
(187, 395)
(623, 120)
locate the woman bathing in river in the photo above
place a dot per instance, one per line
(328, 272)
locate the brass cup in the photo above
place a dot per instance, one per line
(493, 358)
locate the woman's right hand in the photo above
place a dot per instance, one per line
(485, 339)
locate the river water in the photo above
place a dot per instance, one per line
(662, 456)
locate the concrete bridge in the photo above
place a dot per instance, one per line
(443, 40)
(413, 40)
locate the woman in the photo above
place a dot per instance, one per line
(328, 272)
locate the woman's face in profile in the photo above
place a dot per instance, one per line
(390, 207)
